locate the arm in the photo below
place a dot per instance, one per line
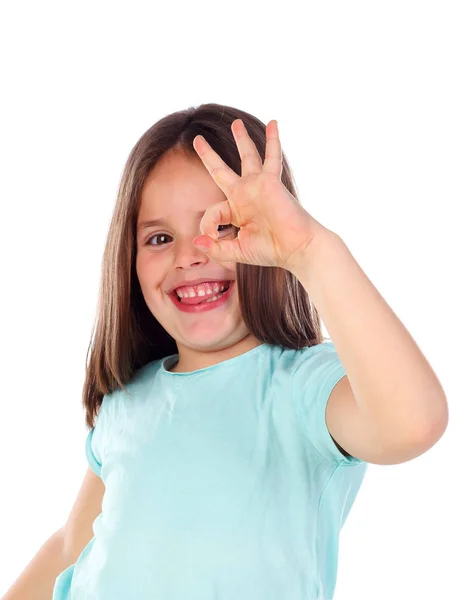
(392, 395)
(64, 547)
(36, 582)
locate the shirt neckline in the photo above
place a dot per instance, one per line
(169, 361)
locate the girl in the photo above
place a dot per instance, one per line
(228, 439)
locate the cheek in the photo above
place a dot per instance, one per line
(139, 266)
(148, 269)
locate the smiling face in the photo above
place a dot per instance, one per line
(178, 191)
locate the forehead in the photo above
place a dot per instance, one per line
(178, 185)
(176, 176)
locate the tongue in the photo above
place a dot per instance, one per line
(200, 299)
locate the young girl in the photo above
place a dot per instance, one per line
(226, 445)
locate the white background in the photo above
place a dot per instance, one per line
(372, 100)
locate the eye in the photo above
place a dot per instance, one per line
(148, 242)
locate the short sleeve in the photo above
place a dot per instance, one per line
(97, 438)
(318, 372)
(94, 463)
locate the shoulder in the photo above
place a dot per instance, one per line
(145, 373)
(305, 362)
(299, 369)
(279, 361)
(143, 378)
(138, 386)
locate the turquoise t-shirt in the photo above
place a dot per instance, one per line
(221, 484)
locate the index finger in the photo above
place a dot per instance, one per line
(220, 172)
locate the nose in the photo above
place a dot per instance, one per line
(186, 253)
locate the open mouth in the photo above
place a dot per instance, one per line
(225, 289)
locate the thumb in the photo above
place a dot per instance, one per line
(220, 250)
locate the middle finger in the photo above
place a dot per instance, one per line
(251, 160)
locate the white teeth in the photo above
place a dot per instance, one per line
(213, 299)
(192, 294)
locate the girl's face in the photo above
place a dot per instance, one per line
(177, 191)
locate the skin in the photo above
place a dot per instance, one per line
(177, 189)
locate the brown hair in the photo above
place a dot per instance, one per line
(126, 336)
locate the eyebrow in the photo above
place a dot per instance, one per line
(159, 222)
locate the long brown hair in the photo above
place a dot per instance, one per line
(126, 336)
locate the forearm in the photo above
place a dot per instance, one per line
(37, 580)
(390, 378)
